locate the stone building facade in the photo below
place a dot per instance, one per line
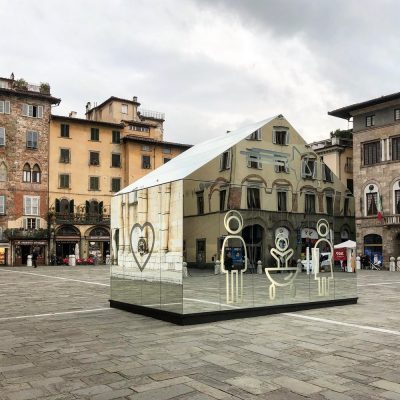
(376, 155)
(24, 139)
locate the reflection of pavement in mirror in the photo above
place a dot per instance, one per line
(324, 282)
(282, 255)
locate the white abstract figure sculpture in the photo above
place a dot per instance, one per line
(234, 278)
(323, 281)
(282, 255)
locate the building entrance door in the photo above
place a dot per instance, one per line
(253, 236)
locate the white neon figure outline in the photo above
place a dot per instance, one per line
(282, 244)
(233, 279)
(324, 282)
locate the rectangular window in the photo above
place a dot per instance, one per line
(124, 108)
(146, 164)
(166, 150)
(372, 199)
(29, 110)
(346, 209)
(225, 160)
(94, 183)
(94, 134)
(396, 148)
(222, 200)
(2, 136)
(2, 205)
(350, 185)
(253, 198)
(309, 203)
(31, 140)
(281, 167)
(308, 168)
(329, 205)
(63, 181)
(139, 128)
(253, 163)
(64, 130)
(116, 160)
(94, 158)
(370, 120)
(200, 203)
(115, 184)
(31, 205)
(146, 147)
(116, 136)
(31, 223)
(5, 107)
(397, 114)
(65, 156)
(166, 160)
(281, 137)
(282, 201)
(327, 175)
(256, 135)
(372, 153)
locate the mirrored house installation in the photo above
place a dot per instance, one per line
(240, 225)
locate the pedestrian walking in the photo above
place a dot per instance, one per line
(34, 257)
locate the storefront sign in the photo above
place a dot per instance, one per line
(340, 254)
(98, 238)
(29, 242)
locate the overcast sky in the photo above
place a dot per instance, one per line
(210, 65)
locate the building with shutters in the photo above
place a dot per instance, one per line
(91, 159)
(25, 111)
(265, 171)
(376, 155)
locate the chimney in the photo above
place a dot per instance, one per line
(88, 106)
(73, 114)
(228, 131)
(135, 99)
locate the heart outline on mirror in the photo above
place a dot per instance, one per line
(134, 248)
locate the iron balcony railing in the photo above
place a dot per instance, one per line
(82, 219)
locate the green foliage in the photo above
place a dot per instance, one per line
(344, 134)
(44, 88)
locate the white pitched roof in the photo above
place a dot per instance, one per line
(192, 159)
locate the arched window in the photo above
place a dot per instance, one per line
(93, 207)
(396, 197)
(36, 174)
(371, 199)
(3, 172)
(26, 173)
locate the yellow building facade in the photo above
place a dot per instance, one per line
(91, 159)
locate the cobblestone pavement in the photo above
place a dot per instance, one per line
(60, 340)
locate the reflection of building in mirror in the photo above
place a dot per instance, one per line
(234, 259)
(324, 282)
(282, 275)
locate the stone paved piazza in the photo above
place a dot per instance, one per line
(60, 340)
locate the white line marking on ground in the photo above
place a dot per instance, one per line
(57, 277)
(330, 321)
(380, 283)
(53, 314)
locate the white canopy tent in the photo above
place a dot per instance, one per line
(350, 247)
(348, 244)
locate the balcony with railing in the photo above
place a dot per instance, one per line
(82, 219)
(391, 219)
(152, 114)
(21, 84)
